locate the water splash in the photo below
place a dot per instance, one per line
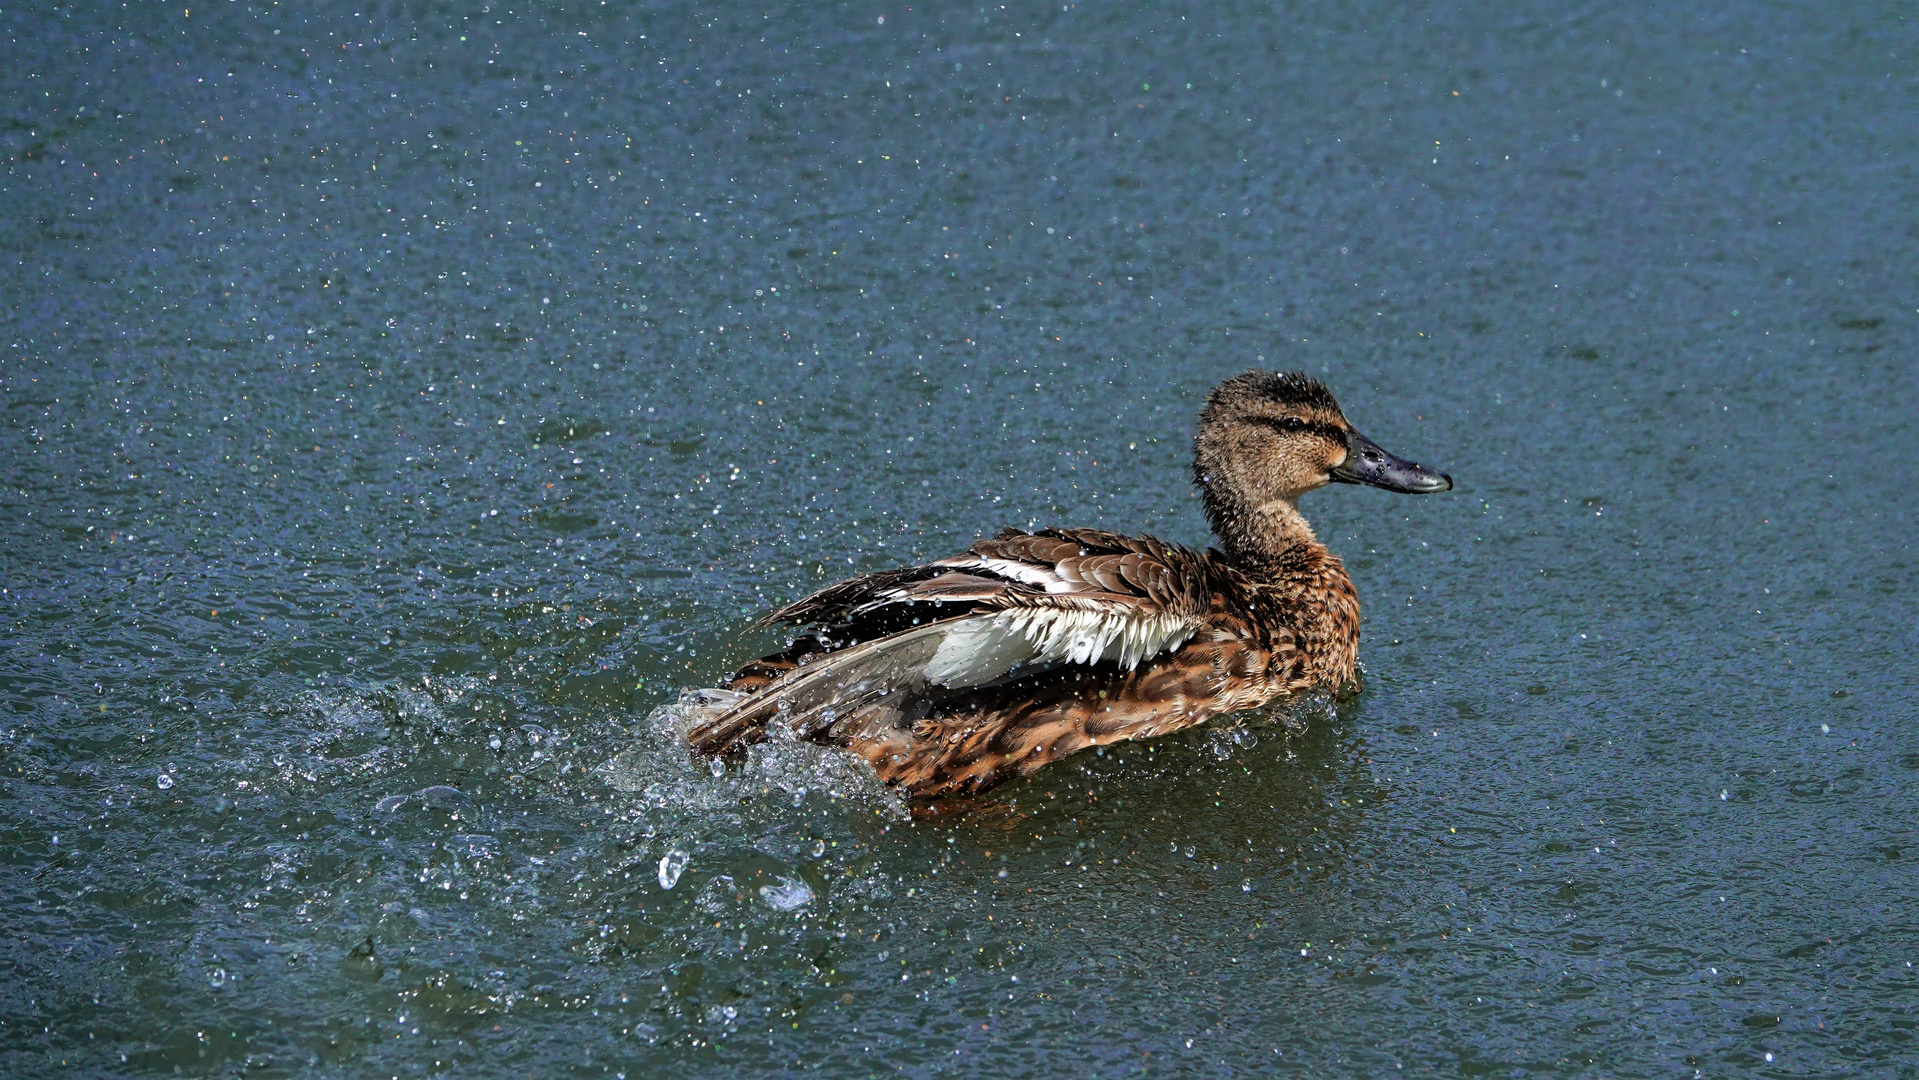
(787, 894)
(660, 769)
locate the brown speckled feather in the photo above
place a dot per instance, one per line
(968, 742)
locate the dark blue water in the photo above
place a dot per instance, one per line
(401, 402)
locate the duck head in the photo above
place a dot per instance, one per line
(1266, 438)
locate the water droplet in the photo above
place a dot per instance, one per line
(819, 848)
(493, 742)
(1245, 886)
(672, 865)
(217, 978)
(164, 781)
(716, 767)
(787, 894)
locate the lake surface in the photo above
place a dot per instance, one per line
(402, 402)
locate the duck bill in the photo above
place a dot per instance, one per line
(1367, 464)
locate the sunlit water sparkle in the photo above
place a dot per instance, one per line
(403, 409)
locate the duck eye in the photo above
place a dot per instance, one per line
(1292, 423)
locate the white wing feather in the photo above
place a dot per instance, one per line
(983, 648)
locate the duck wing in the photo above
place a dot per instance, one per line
(1059, 595)
(1073, 596)
(1018, 601)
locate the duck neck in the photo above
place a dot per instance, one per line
(1269, 532)
(1272, 544)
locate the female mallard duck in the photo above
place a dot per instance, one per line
(963, 673)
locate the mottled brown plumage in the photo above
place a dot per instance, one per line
(955, 676)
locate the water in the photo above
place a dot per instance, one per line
(403, 403)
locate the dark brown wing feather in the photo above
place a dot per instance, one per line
(1015, 568)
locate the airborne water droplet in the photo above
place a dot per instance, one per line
(164, 782)
(672, 865)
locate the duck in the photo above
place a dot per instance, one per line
(958, 675)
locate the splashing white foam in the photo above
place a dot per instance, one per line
(787, 894)
(660, 768)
